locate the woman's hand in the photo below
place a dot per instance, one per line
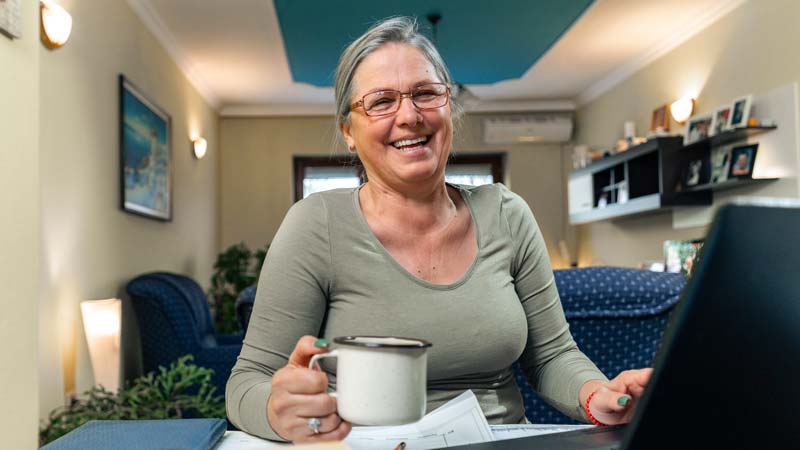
(299, 393)
(614, 402)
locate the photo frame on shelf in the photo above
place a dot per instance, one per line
(660, 119)
(145, 155)
(720, 164)
(698, 128)
(722, 117)
(10, 18)
(740, 112)
(742, 161)
(681, 256)
(696, 173)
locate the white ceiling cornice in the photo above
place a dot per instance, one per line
(677, 38)
(298, 109)
(151, 20)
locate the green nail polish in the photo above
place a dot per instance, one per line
(322, 343)
(623, 401)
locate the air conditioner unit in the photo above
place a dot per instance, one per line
(519, 129)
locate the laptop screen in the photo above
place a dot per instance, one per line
(728, 371)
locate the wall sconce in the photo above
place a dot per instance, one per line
(56, 24)
(102, 321)
(199, 146)
(682, 109)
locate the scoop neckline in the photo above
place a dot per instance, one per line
(466, 195)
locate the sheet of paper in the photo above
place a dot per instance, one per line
(239, 440)
(460, 421)
(501, 432)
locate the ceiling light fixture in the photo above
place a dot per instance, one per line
(56, 24)
(682, 109)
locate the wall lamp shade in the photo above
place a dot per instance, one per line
(199, 147)
(102, 321)
(56, 24)
(682, 109)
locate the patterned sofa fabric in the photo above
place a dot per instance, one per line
(616, 315)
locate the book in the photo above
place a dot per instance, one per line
(185, 434)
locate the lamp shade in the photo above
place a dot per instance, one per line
(199, 146)
(102, 320)
(682, 109)
(56, 24)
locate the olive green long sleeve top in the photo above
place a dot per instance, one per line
(327, 275)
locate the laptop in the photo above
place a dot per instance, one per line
(727, 374)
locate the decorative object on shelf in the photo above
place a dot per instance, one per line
(694, 173)
(722, 117)
(720, 164)
(660, 120)
(145, 155)
(682, 109)
(697, 128)
(743, 159)
(603, 201)
(199, 147)
(629, 130)
(681, 256)
(56, 24)
(740, 112)
(10, 18)
(581, 156)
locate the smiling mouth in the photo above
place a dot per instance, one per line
(410, 144)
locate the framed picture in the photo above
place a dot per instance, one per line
(743, 159)
(697, 128)
(10, 20)
(740, 112)
(722, 117)
(681, 256)
(145, 155)
(720, 164)
(660, 120)
(695, 173)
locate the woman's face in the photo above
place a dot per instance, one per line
(380, 140)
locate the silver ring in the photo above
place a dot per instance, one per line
(313, 425)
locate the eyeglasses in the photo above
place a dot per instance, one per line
(424, 96)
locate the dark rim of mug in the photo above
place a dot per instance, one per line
(350, 340)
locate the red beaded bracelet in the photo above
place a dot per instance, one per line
(589, 412)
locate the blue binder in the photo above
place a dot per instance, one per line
(184, 434)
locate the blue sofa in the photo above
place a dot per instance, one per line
(174, 320)
(616, 315)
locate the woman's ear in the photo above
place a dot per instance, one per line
(348, 138)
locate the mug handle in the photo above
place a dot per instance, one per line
(315, 362)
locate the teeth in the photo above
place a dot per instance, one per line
(406, 142)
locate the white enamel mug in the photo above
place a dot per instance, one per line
(380, 380)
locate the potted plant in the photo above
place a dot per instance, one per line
(236, 268)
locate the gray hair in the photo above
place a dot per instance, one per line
(401, 30)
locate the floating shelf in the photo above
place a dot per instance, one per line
(732, 183)
(728, 136)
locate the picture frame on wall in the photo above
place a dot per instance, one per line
(743, 159)
(145, 154)
(740, 112)
(660, 119)
(696, 173)
(722, 117)
(698, 128)
(10, 18)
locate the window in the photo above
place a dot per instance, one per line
(320, 173)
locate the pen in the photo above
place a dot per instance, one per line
(400, 446)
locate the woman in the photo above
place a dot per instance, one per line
(408, 255)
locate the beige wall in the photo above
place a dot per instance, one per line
(90, 248)
(257, 178)
(19, 233)
(752, 50)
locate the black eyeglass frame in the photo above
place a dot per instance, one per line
(409, 95)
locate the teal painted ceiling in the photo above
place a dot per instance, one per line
(482, 41)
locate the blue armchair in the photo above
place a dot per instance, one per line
(617, 317)
(174, 320)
